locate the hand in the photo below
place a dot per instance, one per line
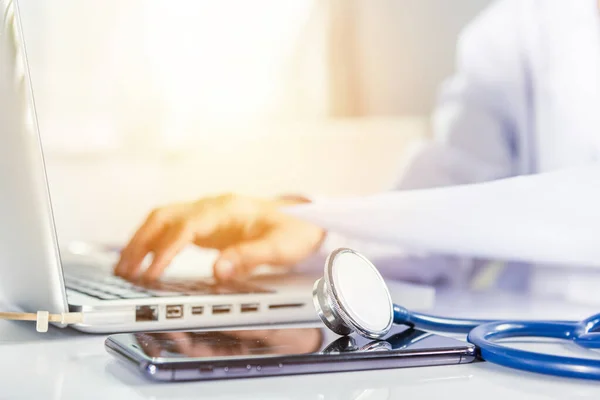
(247, 231)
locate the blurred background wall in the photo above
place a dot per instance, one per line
(142, 102)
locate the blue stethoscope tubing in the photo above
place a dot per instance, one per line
(483, 333)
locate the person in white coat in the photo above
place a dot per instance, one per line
(525, 98)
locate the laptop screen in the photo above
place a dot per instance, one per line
(29, 256)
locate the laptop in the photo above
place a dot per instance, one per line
(34, 276)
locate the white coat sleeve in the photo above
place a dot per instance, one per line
(477, 124)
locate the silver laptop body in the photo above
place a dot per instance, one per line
(32, 276)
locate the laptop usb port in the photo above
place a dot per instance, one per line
(146, 313)
(250, 307)
(221, 309)
(174, 311)
(285, 305)
(197, 310)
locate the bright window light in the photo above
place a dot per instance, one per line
(140, 72)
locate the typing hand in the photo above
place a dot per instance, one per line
(248, 232)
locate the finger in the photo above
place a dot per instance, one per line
(133, 264)
(138, 247)
(206, 227)
(241, 259)
(166, 248)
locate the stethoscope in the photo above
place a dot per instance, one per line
(353, 297)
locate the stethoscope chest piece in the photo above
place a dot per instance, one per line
(353, 297)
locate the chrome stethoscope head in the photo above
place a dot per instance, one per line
(353, 297)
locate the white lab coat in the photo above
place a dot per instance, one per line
(525, 98)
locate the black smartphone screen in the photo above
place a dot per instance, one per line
(195, 355)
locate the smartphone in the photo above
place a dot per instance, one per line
(226, 354)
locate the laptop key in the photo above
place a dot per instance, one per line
(98, 286)
(107, 296)
(125, 292)
(94, 293)
(73, 281)
(166, 289)
(116, 281)
(135, 295)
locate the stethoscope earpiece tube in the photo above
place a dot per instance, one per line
(345, 309)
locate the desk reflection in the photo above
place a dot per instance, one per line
(233, 343)
(264, 342)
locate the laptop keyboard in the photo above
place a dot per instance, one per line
(107, 287)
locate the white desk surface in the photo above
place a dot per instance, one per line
(65, 364)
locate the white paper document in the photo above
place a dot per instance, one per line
(549, 218)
